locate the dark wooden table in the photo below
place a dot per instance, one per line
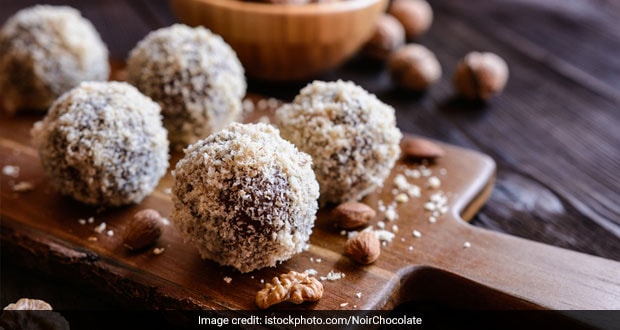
(554, 132)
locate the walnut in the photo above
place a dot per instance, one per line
(388, 36)
(364, 247)
(414, 67)
(24, 304)
(353, 214)
(416, 16)
(144, 229)
(480, 75)
(294, 287)
(31, 314)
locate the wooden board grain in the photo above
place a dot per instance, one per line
(495, 271)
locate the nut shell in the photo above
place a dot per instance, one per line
(480, 75)
(416, 16)
(144, 229)
(414, 67)
(364, 248)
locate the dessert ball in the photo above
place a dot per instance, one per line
(245, 197)
(44, 52)
(194, 75)
(350, 134)
(103, 143)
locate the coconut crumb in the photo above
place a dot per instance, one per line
(311, 271)
(23, 186)
(165, 221)
(110, 233)
(168, 191)
(10, 170)
(401, 198)
(381, 224)
(158, 251)
(82, 222)
(92, 238)
(417, 234)
(343, 232)
(227, 279)
(100, 228)
(410, 248)
(395, 228)
(433, 182)
(90, 220)
(467, 245)
(358, 295)
(384, 235)
(332, 276)
(344, 304)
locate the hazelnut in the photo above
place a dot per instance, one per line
(363, 247)
(353, 214)
(143, 230)
(414, 67)
(480, 75)
(388, 35)
(416, 16)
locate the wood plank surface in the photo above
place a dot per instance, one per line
(552, 133)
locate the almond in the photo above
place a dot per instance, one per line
(143, 230)
(353, 214)
(363, 247)
(421, 148)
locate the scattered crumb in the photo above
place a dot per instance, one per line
(344, 304)
(358, 295)
(433, 182)
(10, 170)
(82, 222)
(401, 198)
(227, 279)
(380, 206)
(390, 213)
(384, 235)
(264, 120)
(432, 219)
(318, 260)
(402, 239)
(91, 220)
(467, 245)
(165, 221)
(158, 251)
(410, 248)
(332, 276)
(429, 206)
(395, 228)
(417, 234)
(343, 232)
(110, 232)
(262, 104)
(262, 281)
(168, 191)
(383, 243)
(23, 186)
(381, 224)
(311, 271)
(92, 238)
(99, 229)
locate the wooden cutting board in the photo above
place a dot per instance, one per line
(448, 261)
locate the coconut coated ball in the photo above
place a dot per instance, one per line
(103, 143)
(194, 75)
(245, 197)
(44, 52)
(350, 134)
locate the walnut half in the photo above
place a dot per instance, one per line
(294, 287)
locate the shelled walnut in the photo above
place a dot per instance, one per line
(293, 286)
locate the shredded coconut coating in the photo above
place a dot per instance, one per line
(103, 143)
(245, 197)
(194, 75)
(350, 134)
(44, 52)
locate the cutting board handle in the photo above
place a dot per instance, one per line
(519, 273)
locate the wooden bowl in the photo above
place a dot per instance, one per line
(280, 42)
